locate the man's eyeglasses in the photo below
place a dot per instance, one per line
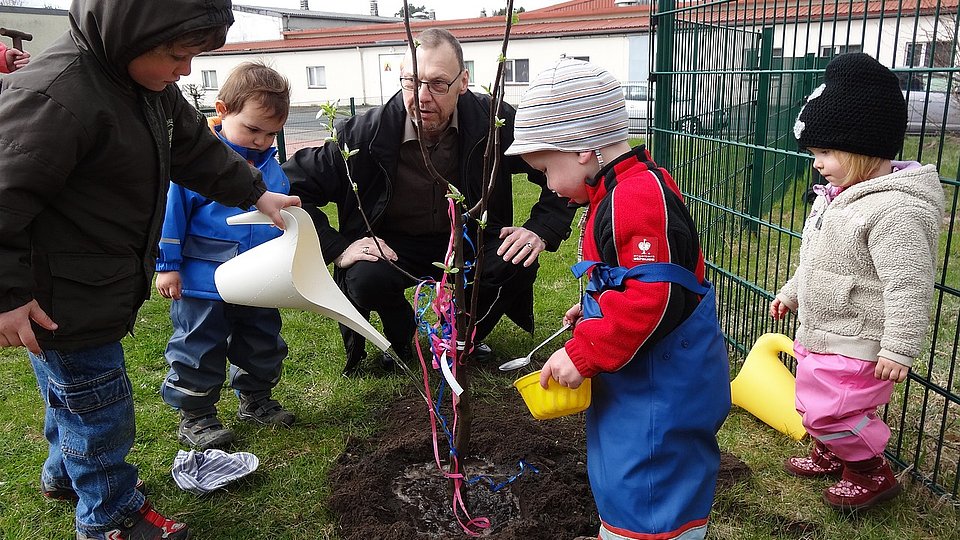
(437, 88)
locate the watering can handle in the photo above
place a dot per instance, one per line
(779, 343)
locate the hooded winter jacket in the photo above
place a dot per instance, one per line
(864, 284)
(86, 155)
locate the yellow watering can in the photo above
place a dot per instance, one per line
(766, 388)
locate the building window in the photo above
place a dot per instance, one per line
(468, 64)
(929, 54)
(833, 50)
(209, 79)
(316, 77)
(517, 71)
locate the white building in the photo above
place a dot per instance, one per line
(362, 62)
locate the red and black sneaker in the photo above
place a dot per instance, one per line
(146, 524)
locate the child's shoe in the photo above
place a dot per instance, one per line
(146, 524)
(822, 462)
(264, 410)
(864, 484)
(65, 492)
(203, 432)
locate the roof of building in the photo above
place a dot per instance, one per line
(586, 17)
(310, 14)
(581, 18)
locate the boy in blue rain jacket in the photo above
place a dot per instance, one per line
(207, 332)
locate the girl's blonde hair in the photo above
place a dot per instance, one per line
(859, 167)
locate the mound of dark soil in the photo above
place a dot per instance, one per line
(388, 487)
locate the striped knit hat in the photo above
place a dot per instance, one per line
(574, 106)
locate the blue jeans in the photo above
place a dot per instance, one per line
(89, 425)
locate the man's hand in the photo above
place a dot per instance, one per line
(15, 329)
(364, 249)
(520, 246)
(888, 370)
(561, 368)
(169, 284)
(270, 204)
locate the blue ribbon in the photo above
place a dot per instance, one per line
(497, 486)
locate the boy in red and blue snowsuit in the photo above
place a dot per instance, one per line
(646, 329)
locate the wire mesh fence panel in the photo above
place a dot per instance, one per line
(728, 79)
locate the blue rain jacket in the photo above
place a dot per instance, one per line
(196, 238)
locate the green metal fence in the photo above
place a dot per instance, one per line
(729, 79)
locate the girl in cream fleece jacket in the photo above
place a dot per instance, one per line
(863, 288)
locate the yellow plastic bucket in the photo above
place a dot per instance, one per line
(556, 400)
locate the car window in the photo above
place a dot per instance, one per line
(635, 92)
(917, 82)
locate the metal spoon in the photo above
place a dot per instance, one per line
(520, 362)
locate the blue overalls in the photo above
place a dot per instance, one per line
(652, 454)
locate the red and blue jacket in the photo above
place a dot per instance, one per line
(643, 221)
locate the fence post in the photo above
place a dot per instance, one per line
(353, 106)
(760, 131)
(665, 29)
(281, 147)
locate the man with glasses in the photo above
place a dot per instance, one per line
(408, 209)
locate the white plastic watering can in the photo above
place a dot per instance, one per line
(289, 272)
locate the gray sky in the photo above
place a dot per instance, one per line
(445, 9)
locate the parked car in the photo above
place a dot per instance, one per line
(639, 102)
(933, 101)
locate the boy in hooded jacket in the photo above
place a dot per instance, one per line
(82, 194)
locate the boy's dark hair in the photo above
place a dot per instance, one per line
(256, 81)
(434, 37)
(209, 39)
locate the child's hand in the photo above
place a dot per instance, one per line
(16, 59)
(169, 284)
(778, 309)
(270, 204)
(888, 370)
(573, 315)
(560, 368)
(15, 329)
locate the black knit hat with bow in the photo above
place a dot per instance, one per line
(858, 109)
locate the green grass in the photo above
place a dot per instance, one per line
(286, 498)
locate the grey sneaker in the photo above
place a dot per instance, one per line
(266, 411)
(145, 524)
(204, 432)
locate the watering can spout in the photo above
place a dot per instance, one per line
(289, 272)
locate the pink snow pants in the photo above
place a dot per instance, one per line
(838, 398)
